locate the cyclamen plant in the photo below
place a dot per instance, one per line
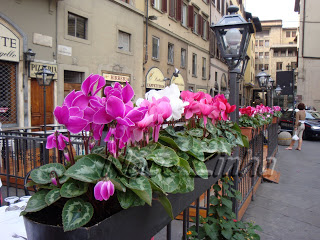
(143, 154)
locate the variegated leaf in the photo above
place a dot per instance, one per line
(186, 182)
(37, 201)
(118, 185)
(196, 150)
(145, 151)
(129, 199)
(42, 175)
(53, 196)
(201, 168)
(73, 188)
(164, 156)
(139, 163)
(196, 132)
(184, 163)
(171, 131)
(91, 168)
(168, 181)
(184, 143)
(76, 213)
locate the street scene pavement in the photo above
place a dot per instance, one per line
(290, 210)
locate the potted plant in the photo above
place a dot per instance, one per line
(145, 158)
(247, 122)
(276, 114)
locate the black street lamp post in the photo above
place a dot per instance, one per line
(270, 87)
(233, 34)
(278, 92)
(44, 78)
(263, 79)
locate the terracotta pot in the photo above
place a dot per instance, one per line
(247, 131)
(275, 120)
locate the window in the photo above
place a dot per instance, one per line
(275, 54)
(260, 54)
(204, 29)
(194, 65)
(155, 47)
(266, 43)
(184, 14)
(172, 8)
(218, 5)
(214, 2)
(124, 41)
(256, 67)
(290, 42)
(256, 55)
(204, 68)
(290, 53)
(288, 33)
(260, 43)
(157, 4)
(283, 53)
(195, 22)
(183, 57)
(266, 67)
(222, 7)
(77, 26)
(72, 80)
(257, 43)
(294, 65)
(266, 54)
(170, 53)
(294, 33)
(260, 66)
(279, 65)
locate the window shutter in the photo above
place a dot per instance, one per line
(208, 29)
(171, 8)
(179, 9)
(190, 16)
(164, 6)
(152, 3)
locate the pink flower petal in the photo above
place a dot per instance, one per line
(51, 141)
(135, 115)
(81, 101)
(61, 114)
(127, 93)
(101, 117)
(105, 191)
(115, 107)
(97, 191)
(76, 124)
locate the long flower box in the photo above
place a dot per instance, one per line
(138, 222)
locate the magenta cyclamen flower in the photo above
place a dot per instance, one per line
(52, 141)
(103, 190)
(54, 181)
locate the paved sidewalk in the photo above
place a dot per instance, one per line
(290, 210)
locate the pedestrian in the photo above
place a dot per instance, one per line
(299, 126)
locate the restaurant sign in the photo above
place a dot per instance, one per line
(178, 81)
(202, 90)
(9, 45)
(36, 67)
(109, 76)
(155, 79)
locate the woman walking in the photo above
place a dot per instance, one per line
(299, 126)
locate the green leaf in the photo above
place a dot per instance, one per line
(145, 151)
(195, 132)
(37, 201)
(116, 162)
(171, 131)
(183, 155)
(227, 233)
(118, 185)
(90, 168)
(226, 202)
(164, 156)
(167, 180)
(52, 196)
(42, 175)
(76, 213)
(141, 187)
(169, 141)
(184, 163)
(210, 231)
(224, 146)
(138, 162)
(184, 143)
(200, 168)
(99, 150)
(73, 188)
(196, 150)
(129, 199)
(186, 181)
(166, 204)
(245, 141)
(236, 127)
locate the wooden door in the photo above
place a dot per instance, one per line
(37, 104)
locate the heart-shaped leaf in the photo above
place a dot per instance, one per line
(37, 201)
(201, 168)
(42, 175)
(171, 131)
(164, 156)
(91, 168)
(196, 132)
(52, 196)
(129, 199)
(73, 188)
(167, 180)
(76, 213)
(184, 143)
(196, 150)
(169, 141)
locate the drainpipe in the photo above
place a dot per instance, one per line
(146, 53)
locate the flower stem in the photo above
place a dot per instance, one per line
(70, 151)
(59, 158)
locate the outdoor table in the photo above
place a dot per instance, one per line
(11, 223)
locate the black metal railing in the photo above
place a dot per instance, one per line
(272, 139)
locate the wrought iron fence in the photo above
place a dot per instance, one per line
(272, 139)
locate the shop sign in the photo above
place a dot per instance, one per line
(202, 90)
(155, 79)
(9, 45)
(36, 67)
(178, 81)
(116, 77)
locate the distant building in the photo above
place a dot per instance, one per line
(309, 53)
(275, 49)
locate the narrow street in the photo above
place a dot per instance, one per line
(290, 210)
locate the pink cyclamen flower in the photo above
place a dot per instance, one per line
(52, 141)
(54, 181)
(103, 190)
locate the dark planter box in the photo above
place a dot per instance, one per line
(137, 222)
